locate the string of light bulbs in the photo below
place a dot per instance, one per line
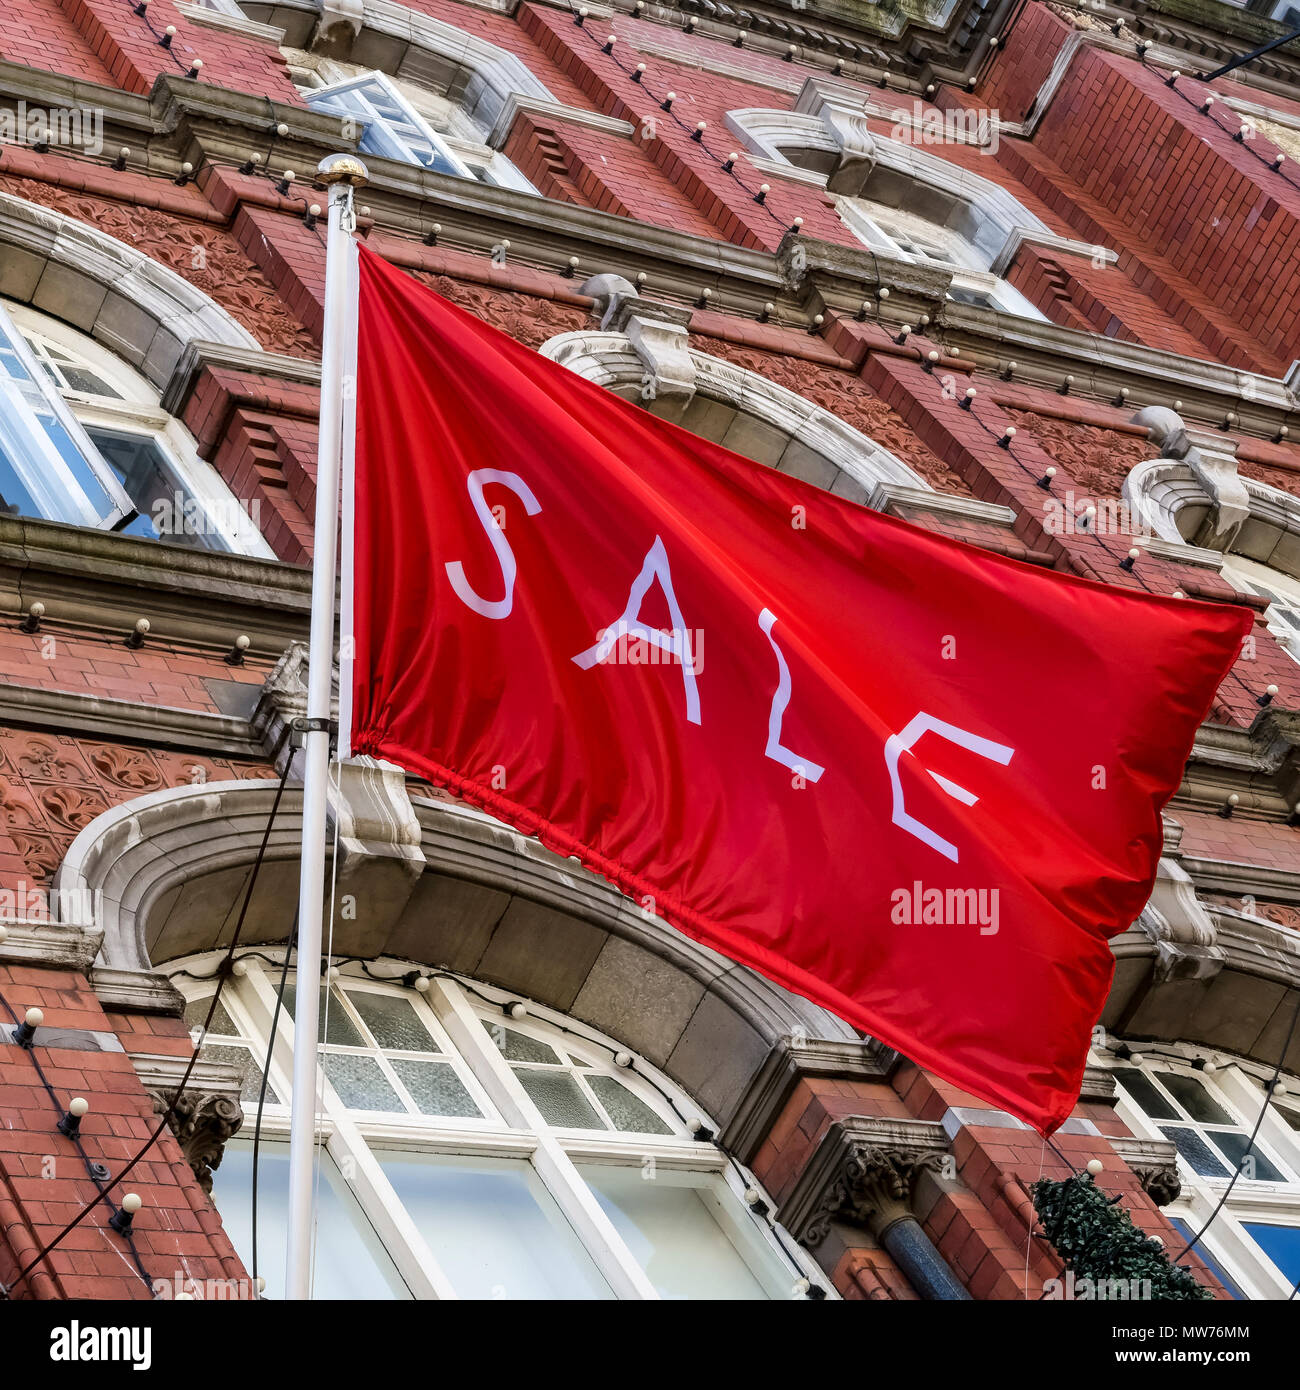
(164, 38)
(69, 1125)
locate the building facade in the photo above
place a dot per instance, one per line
(1009, 270)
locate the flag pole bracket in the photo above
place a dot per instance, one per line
(302, 726)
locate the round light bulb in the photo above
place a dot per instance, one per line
(78, 1106)
(33, 1018)
(1095, 1166)
(131, 1203)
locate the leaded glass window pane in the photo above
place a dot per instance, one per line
(392, 1021)
(629, 1112)
(560, 1100)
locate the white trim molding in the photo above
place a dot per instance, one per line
(621, 359)
(102, 286)
(496, 74)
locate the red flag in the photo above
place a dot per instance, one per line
(913, 781)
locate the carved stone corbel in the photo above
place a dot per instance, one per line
(849, 130)
(875, 1190)
(1154, 1163)
(659, 337)
(205, 1117)
(1213, 461)
(865, 1173)
(339, 24)
(380, 859)
(1182, 931)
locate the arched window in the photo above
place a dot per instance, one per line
(403, 120)
(480, 1145)
(1206, 1104)
(83, 440)
(903, 201)
(906, 232)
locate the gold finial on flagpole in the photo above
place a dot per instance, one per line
(343, 168)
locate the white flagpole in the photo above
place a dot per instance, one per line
(342, 173)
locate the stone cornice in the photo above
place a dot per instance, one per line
(218, 19)
(199, 122)
(199, 356)
(128, 721)
(55, 944)
(136, 992)
(100, 578)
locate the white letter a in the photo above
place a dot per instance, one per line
(630, 625)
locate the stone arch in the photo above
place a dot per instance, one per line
(407, 44)
(140, 310)
(1193, 494)
(854, 161)
(734, 407)
(165, 873)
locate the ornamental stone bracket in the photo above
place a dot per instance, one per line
(1154, 1163)
(1182, 931)
(658, 334)
(825, 275)
(864, 1172)
(850, 131)
(1211, 460)
(208, 1113)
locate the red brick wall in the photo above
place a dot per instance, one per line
(43, 1178)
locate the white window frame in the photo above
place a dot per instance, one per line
(463, 146)
(1239, 1088)
(229, 7)
(135, 411)
(394, 144)
(969, 271)
(1282, 591)
(455, 1010)
(42, 470)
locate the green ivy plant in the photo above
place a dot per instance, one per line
(1097, 1240)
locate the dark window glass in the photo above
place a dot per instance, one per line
(1144, 1095)
(1195, 1099)
(1195, 1150)
(168, 511)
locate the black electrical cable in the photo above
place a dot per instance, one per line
(133, 6)
(184, 1081)
(61, 1110)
